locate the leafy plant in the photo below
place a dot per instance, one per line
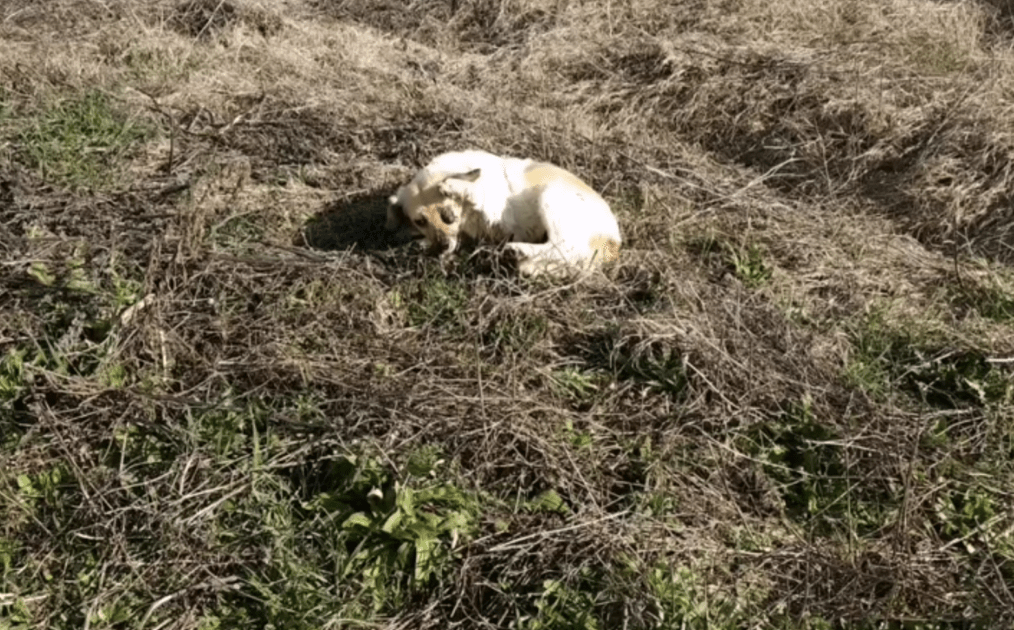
(805, 458)
(549, 501)
(961, 514)
(401, 534)
(574, 383)
(683, 601)
(515, 332)
(748, 265)
(923, 365)
(12, 376)
(563, 607)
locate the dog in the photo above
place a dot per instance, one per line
(551, 220)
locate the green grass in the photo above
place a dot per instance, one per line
(437, 302)
(80, 141)
(924, 364)
(360, 543)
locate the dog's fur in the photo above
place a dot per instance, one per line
(551, 219)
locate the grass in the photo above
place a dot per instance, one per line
(80, 141)
(229, 398)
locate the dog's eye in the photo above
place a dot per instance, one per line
(420, 221)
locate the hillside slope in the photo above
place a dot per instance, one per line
(228, 397)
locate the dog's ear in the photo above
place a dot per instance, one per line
(470, 176)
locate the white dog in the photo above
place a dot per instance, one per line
(551, 219)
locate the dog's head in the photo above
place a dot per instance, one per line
(432, 212)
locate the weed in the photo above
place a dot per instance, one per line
(549, 502)
(438, 302)
(991, 300)
(575, 383)
(965, 513)
(562, 607)
(806, 460)
(12, 376)
(515, 332)
(683, 602)
(41, 488)
(661, 368)
(748, 265)
(80, 142)
(745, 262)
(577, 438)
(401, 535)
(889, 358)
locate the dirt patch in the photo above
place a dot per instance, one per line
(206, 19)
(203, 19)
(25, 19)
(480, 26)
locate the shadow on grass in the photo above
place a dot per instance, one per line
(355, 222)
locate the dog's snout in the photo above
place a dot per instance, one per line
(447, 215)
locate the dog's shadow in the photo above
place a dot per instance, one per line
(356, 222)
(359, 223)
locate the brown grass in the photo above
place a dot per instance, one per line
(790, 397)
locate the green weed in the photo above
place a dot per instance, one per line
(401, 535)
(549, 502)
(652, 362)
(684, 601)
(41, 488)
(806, 460)
(962, 513)
(12, 376)
(990, 299)
(515, 332)
(438, 302)
(574, 383)
(563, 607)
(745, 262)
(660, 368)
(577, 438)
(79, 142)
(748, 265)
(923, 365)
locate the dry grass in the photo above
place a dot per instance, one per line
(788, 405)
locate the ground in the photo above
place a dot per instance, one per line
(230, 398)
